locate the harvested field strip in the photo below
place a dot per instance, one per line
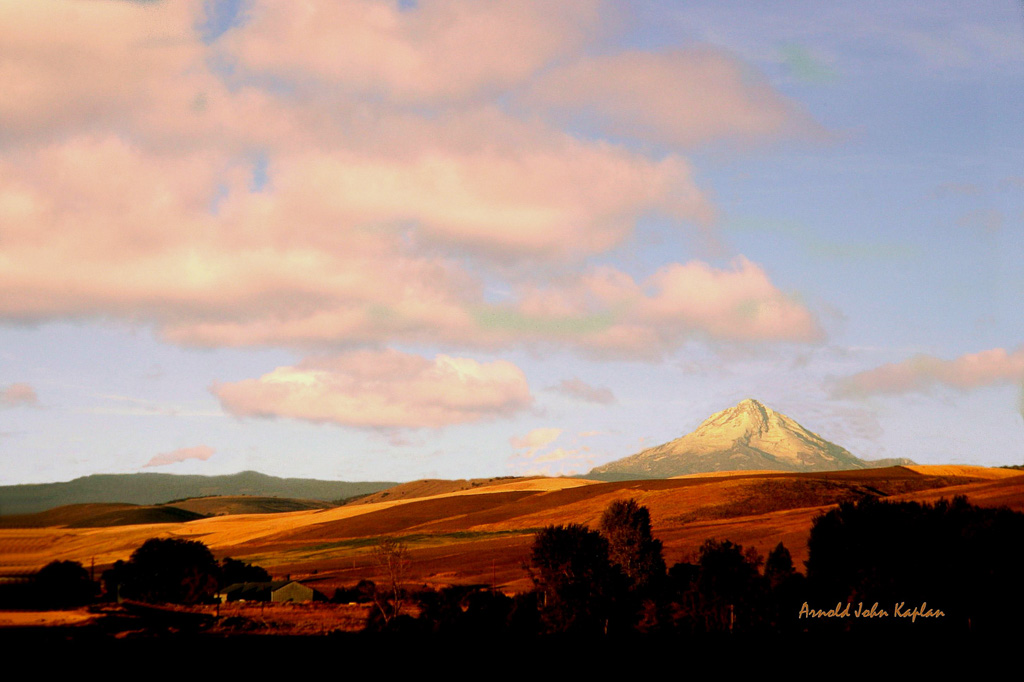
(280, 554)
(404, 517)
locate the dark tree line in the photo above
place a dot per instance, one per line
(954, 556)
(160, 571)
(176, 571)
(950, 556)
(619, 582)
(614, 581)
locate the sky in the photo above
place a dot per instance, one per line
(379, 240)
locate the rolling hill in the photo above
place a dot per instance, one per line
(99, 515)
(150, 488)
(484, 534)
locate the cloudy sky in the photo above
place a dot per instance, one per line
(371, 239)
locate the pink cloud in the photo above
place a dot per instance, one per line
(18, 394)
(496, 187)
(127, 190)
(201, 452)
(304, 264)
(923, 372)
(736, 303)
(438, 50)
(581, 390)
(138, 76)
(315, 261)
(675, 304)
(679, 97)
(382, 389)
(69, 64)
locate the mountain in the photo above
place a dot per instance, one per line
(150, 488)
(746, 437)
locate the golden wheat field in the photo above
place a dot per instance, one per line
(482, 534)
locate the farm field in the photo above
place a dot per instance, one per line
(481, 535)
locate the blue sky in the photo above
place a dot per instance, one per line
(454, 239)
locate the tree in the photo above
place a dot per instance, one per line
(627, 526)
(62, 584)
(786, 590)
(234, 571)
(392, 559)
(581, 592)
(725, 592)
(166, 570)
(778, 567)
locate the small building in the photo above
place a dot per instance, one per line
(293, 592)
(276, 591)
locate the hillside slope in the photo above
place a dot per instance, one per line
(150, 488)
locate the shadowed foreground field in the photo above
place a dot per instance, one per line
(482, 534)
